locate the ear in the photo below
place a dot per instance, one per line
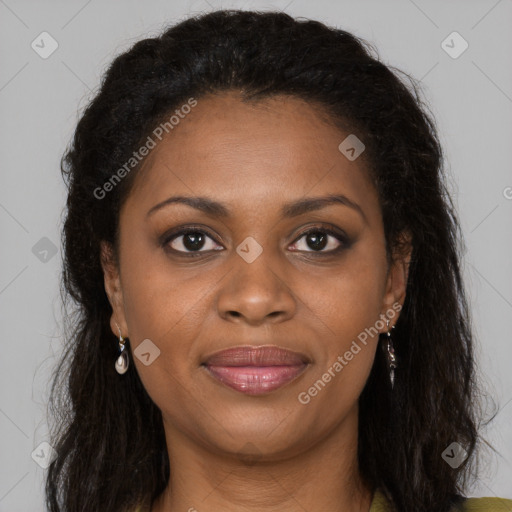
(113, 288)
(396, 283)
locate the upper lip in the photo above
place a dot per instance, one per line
(250, 355)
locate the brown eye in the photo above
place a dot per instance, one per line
(191, 241)
(321, 240)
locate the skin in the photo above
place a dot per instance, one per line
(230, 451)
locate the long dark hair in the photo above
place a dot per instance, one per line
(109, 434)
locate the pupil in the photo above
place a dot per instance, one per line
(317, 240)
(193, 241)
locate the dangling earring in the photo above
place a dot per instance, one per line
(122, 361)
(390, 354)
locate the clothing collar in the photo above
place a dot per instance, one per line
(380, 503)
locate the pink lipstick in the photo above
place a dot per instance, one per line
(256, 370)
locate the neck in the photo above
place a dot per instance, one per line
(324, 477)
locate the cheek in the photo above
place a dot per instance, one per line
(347, 307)
(160, 297)
(168, 307)
(348, 298)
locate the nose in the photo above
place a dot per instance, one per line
(255, 293)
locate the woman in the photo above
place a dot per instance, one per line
(270, 307)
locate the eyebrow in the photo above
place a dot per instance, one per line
(289, 210)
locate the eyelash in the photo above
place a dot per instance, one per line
(340, 236)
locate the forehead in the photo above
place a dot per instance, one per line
(252, 153)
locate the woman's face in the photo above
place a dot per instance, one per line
(252, 277)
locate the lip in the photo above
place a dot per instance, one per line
(250, 355)
(256, 370)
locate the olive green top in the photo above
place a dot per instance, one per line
(381, 504)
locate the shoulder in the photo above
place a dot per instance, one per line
(381, 504)
(487, 505)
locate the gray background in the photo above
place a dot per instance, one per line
(471, 97)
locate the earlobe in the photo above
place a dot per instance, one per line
(113, 288)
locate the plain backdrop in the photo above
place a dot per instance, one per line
(40, 99)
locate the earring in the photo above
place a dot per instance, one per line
(390, 355)
(122, 361)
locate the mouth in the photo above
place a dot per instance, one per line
(256, 370)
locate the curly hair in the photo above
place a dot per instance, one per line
(109, 435)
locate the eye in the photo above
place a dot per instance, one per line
(319, 238)
(191, 241)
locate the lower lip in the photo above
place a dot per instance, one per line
(255, 380)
